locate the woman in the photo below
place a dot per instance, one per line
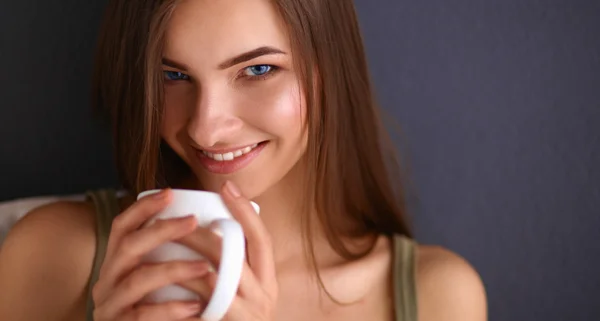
(255, 99)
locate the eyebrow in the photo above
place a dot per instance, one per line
(246, 56)
(262, 51)
(173, 64)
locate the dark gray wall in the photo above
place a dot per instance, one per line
(500, 105)
(48, 142)
(499, 102)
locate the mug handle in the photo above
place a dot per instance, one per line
(233, 253)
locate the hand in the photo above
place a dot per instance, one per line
(257, 291)
(123, 282)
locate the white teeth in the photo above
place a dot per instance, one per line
(231, 155)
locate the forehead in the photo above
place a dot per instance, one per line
(201, 31)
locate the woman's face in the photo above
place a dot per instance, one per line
(233, 106)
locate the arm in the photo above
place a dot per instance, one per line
(45, 264)
(448, 287)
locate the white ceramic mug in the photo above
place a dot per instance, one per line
(210, 211)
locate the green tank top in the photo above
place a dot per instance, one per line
(404, 294)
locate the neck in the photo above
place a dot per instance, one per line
(282, 213)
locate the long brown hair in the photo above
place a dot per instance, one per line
(353, 180)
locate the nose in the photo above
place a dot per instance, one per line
(214, 123)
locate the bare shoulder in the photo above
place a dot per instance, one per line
(448, 286)
(45, 261)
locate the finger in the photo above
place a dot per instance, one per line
(166, 311)
(203, 286)
(260, 250)
(135, 216)
(137, 244)
(246, 310)
(250, 287)
(148, 278)
(204, 241)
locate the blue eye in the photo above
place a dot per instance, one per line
(258, 70)
(175, 75)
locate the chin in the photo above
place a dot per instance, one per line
(251, 187)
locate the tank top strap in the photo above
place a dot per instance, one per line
(106, 208)
(405, 292)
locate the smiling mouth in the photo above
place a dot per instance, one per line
(229, 161)
(229, 156)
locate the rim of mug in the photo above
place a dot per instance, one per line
(176, 190)
(188, 191)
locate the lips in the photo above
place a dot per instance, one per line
(229, 156)
(229, 161)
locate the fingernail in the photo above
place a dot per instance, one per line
(187, 224)
(192, 308)
(233, 190)
(200, 267)
(159, 195)
(184, 218)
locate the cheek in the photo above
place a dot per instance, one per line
(276, 109)
(176, 110)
